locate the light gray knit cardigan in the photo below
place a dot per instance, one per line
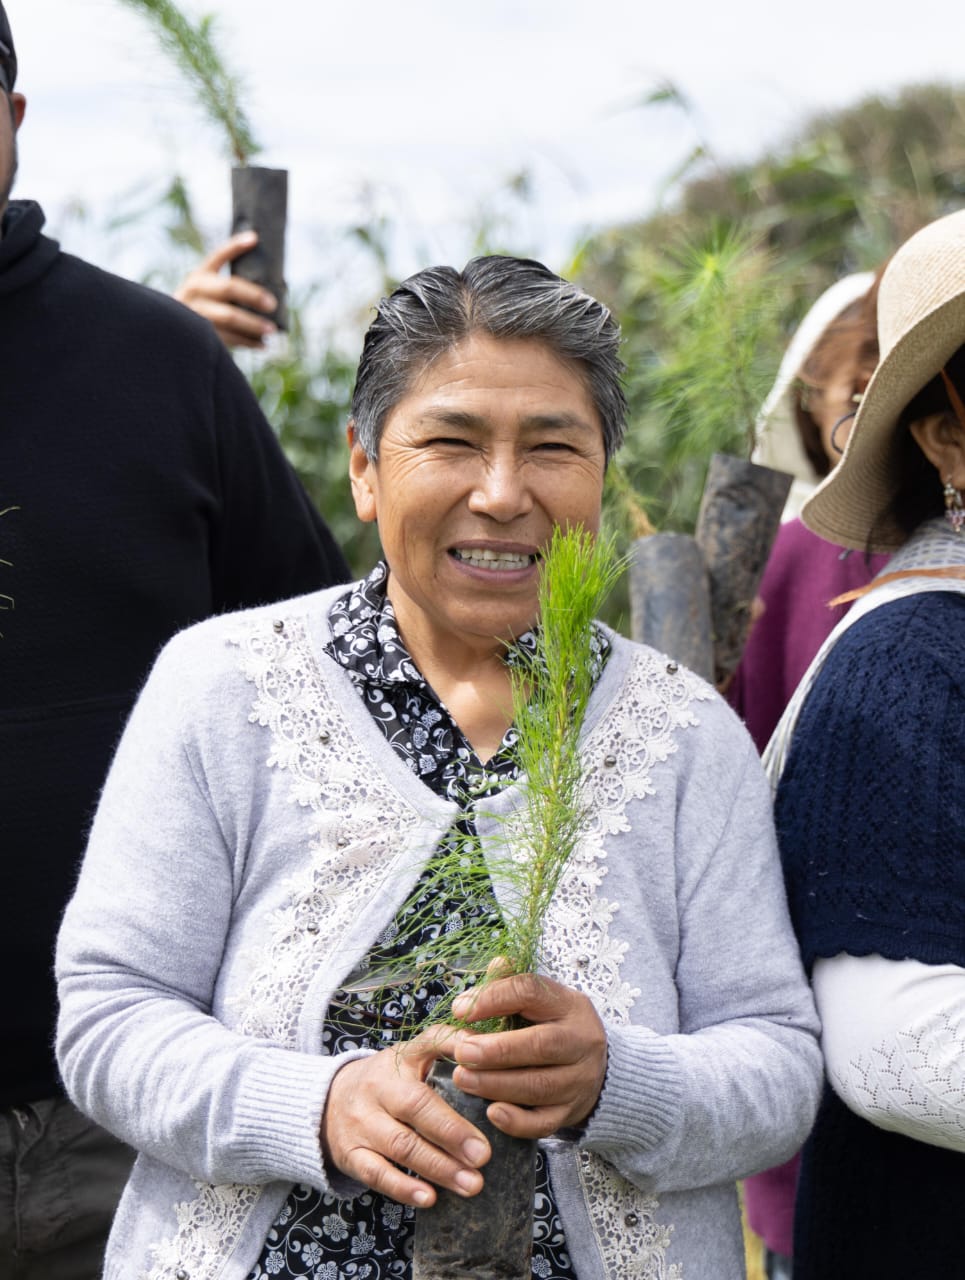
(257, 833)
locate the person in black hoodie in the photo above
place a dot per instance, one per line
(142, 490)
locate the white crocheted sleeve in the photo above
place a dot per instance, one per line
(894, 1043)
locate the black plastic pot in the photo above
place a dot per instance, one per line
(739, 517)
(670, 600)
(489, 1236)
(259, 202)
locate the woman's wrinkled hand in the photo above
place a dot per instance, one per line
(229, 301)
(543, 1077)
(381, 1119)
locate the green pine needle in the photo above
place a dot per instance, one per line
(717, 307)
(191, 46)
(551, 691)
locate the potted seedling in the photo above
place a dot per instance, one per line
(489, 1237)
(716, 314)
(259, 195)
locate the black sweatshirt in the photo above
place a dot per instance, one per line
(148, 492)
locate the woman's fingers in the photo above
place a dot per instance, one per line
(543, 1076)
(390, 1156)
(527, 995)
(535, 1102)
(384, 1126)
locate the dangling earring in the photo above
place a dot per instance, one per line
(954, 507)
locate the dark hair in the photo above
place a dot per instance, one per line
(502, 296)
(8, 55)
(850, 342)
(918, 492)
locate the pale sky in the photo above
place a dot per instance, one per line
(429, 105)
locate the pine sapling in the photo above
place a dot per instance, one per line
(551, 688)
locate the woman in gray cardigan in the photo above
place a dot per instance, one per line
(276, 806)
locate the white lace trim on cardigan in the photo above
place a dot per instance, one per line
(357, 828)
(633, 1244)
(207, 1229)
(655, 706)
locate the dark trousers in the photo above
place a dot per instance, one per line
(60, 1179)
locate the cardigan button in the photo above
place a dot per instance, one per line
(672, 668)
(582, 962)
(180, 1274)
(312, 926)
(324, 737)
(610, 760)
(342, 841)
(277, 626)
(631, 1220)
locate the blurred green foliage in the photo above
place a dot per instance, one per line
(764, 239)
(306, 395)
(708, 289)
(708, 286)
(701, 344)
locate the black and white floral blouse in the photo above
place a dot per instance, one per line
(370, 1237)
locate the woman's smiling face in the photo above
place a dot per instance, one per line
(494, 444)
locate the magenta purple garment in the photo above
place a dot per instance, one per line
(803, 573)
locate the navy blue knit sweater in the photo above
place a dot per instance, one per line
(871, 821)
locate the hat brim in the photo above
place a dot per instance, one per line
(851, 502)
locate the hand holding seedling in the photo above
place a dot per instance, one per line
(542, 1077)
(230, 302)
(381, 1118)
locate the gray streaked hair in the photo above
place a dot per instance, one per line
(504, 297)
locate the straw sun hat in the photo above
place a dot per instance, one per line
(921, 324)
